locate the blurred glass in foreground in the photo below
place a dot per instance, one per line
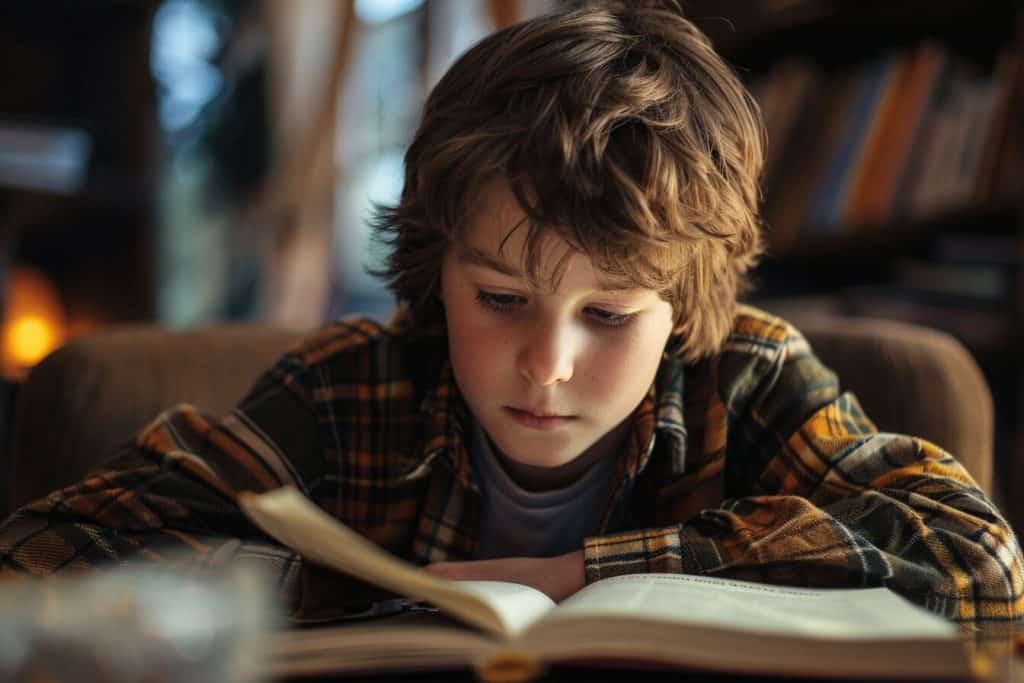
(153, 624)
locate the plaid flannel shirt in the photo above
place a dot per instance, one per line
(751, 464)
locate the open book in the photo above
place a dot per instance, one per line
(507, 631)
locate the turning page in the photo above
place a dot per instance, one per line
(298, 523)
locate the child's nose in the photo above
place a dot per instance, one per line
(548, 355)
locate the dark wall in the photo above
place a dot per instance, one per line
(85, 64)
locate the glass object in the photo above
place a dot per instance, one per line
(154, 624)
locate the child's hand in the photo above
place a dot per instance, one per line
(558, 577)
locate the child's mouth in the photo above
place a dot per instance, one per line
(538, 421)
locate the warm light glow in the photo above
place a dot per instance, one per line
(34, 323)
(29, 339)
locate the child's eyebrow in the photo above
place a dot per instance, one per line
(477, 257)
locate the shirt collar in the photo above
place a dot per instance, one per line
(659, 416)
(667, 393)
(447, 419)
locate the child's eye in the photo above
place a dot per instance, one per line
(610, 319)
(498, 302)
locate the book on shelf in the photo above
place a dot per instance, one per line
(965, 119)
(977, 285)
(903, 137)
(921, 139)
(962, 271)
(981, 324)
(507, 631)
(874, 85)
(805, 161)
(998, 142)
(1007, 181)
(785, 104)
(897, 130)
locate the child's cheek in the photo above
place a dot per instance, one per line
(620, 370)
(479, 340)
(485, 349)
(607, 364)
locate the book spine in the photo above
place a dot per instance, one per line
(818, 125)
(1001, 175)
(923, 145)
(982, 115)
(895, 148)
(825, 210)
(864, 174)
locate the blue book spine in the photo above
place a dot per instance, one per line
(826, 210)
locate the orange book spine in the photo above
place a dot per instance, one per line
(879, 136)
(894, 146)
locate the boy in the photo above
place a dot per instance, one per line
(570, 390)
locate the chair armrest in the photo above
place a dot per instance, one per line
(93, 394)
(912, 380)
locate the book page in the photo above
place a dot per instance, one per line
(743, 627)
(518, 605)
(856, 613)
(298, 523)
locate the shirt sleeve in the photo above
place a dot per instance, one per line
(170, 496)
(826, 500)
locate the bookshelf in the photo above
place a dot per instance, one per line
(894, 179)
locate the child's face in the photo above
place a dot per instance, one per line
(584, 354)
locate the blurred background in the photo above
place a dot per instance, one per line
(194, 162)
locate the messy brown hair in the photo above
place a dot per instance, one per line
(619, 129)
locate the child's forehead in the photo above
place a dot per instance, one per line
(554, 258)
(495, 205)
(499, 234)
(499, 226)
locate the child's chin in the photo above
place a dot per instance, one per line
(541, 458)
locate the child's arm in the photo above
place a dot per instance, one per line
(169, 496)
(558, 577)
(820, 498)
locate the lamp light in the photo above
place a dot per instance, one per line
(33, 323)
